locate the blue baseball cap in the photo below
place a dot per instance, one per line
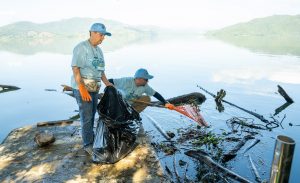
(99, 27)
(142, 73)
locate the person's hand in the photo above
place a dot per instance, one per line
(109, 84)
(170, 106)
(84, 93)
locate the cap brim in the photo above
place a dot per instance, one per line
(150, 77)
(107, 34)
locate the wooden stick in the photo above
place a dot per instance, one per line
(147, 103)
(281, 108)
(203, 157)
(257, 177)
(53, 123)
(185, 170)
(175, 169)
(157, 126)
(251, 145)
(7, 88)
(233, 152)
(284, 94)
(261, 117)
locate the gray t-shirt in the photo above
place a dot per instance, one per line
(90, 61)
(129, 90)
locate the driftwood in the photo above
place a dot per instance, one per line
(157, 126)
(197, 97)
(53, 123)
(43, 139)
(256, 141)
(187, 98)
(203, 157)
(254, 169)
(175, 169)
(281, 108)
(233, 152)
(185, 170)
(284, 94)
(168, 171)
(243, 123)
(7, 88)
(260, 117)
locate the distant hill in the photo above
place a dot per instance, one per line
(278, 34)
(62, 36)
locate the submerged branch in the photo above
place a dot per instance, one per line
(203, 157)
(233, 152)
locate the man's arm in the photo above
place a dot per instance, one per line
(105, 80)
(159, 97)
(83, 91)
(77, 76)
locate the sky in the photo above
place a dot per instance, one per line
(177, 14)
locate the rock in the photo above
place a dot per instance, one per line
(182, 163)
(43, 139)
(170, 134)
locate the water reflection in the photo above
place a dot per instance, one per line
(65, 45)
(279, 72)
(274, 45)
(61, 36)
(178, 65)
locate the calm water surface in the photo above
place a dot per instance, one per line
(179, 65)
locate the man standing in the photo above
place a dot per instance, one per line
(88, 70)
(137, 91)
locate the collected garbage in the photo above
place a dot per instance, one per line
(117, 128)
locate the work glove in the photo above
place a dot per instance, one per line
(170, 106)
(84, 93)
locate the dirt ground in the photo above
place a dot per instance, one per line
(65, 160)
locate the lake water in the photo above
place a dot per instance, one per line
(179, 65)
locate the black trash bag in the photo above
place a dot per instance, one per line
(117, 128)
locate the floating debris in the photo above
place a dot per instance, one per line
(7, 88)
(281, 108)
(203, 157)
(167, 147)
(258, 116)
(182, 163)
(284, 94)
(51, 90)
(257, 177)
(233, 152)
(170, 134)
(256, 141)
(291, 124)
(244, 122)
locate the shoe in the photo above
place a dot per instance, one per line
(89, 150)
